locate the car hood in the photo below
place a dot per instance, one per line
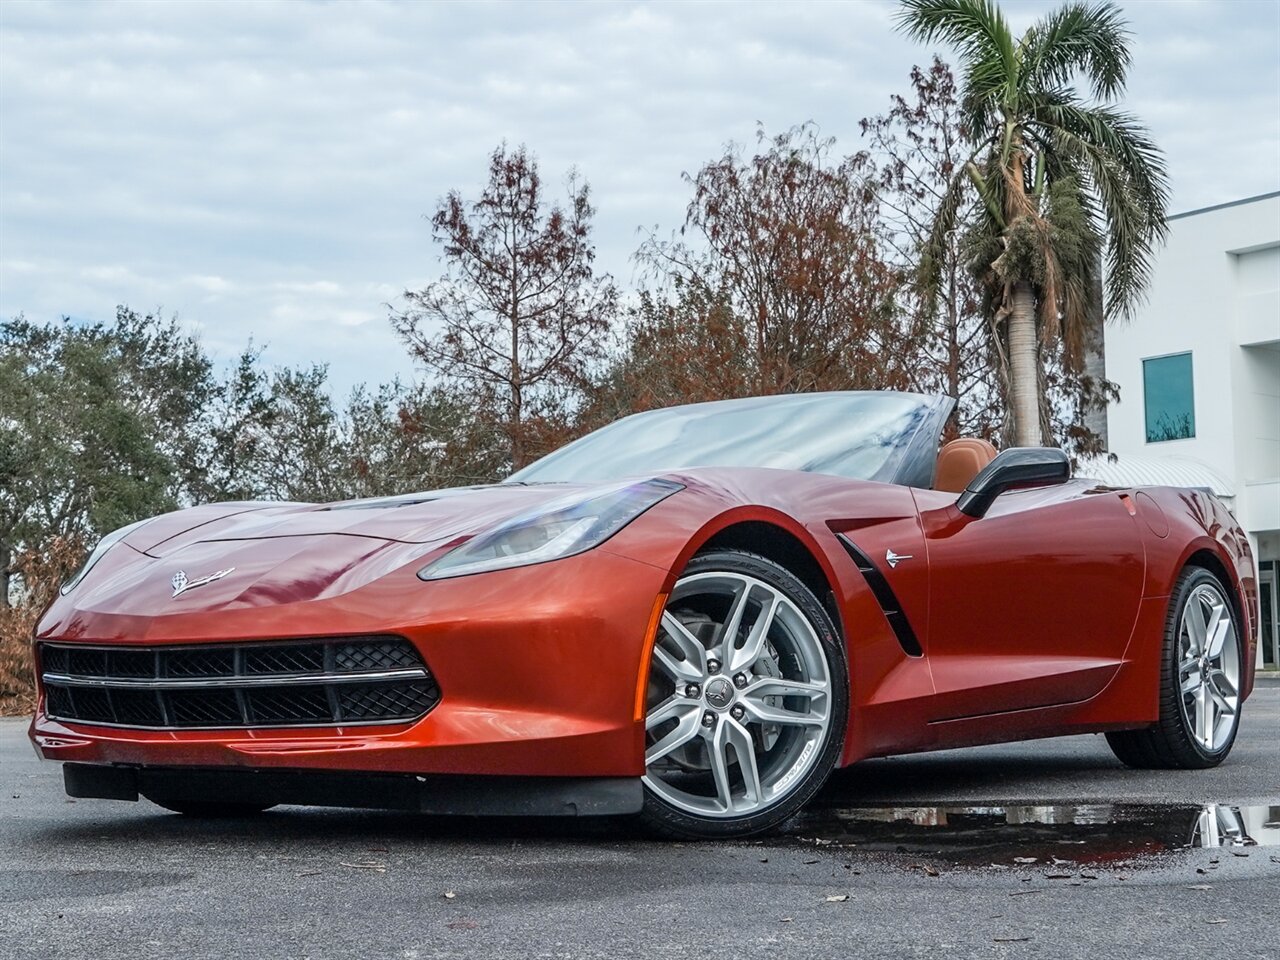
(269, 554)
(419, 518)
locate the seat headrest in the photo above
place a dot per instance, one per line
(959, 462)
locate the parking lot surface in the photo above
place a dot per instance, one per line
(1042, 849)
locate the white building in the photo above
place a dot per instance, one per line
(1199, 376)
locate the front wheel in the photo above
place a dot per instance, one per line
(1199, 682)
(747, 700)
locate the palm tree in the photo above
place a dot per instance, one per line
(1058, 176)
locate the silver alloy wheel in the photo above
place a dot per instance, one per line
(739, 697)
(1219, 825)
(1208, 667)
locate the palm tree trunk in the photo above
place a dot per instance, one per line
(1095, 350)
(5, 559)
(1024, 380)
(516, 410)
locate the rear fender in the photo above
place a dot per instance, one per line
(1199, 529)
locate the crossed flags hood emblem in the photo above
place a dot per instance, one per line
(181, 584)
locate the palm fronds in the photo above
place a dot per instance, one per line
(1110, 151)
(1085, 38)
(988, 53)
(1037, 130)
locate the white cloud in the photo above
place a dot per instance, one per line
(214, 285)
(16, 267)
(319, 287)
(262, 168)
(113, 275)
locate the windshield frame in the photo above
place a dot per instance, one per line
(911, 463)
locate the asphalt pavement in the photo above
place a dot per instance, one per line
(100, 880)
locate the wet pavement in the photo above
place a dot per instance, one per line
(994, 835)
(1044, 849)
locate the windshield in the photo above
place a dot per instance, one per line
(868, 436)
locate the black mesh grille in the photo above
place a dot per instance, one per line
(89, 663)
(58, 702)
(374, 654)
(202, 708)
(92, 703)
(131, 663)
(297, 683)
(199, 663)
(366, 702)
(290, 705)
(137, 708)
(55, 659)
(290, 659)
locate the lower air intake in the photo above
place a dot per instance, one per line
(320, 682)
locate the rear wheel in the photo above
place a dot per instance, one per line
(1199, 682)
(747, 699)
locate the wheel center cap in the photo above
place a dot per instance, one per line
(719, 692)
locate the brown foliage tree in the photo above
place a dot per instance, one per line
(42, 571)
(918, 145)
(689, 348)
(779, 261)
(398, 439)
(519, 312)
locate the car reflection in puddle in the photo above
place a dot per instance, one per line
(1023, 834)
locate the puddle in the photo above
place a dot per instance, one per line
(1027, 834)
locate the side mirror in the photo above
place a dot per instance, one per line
(1014, 469)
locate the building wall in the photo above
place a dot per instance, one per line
(1215, 292)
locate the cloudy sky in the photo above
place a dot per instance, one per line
(262, 169)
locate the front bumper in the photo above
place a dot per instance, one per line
(538, 669)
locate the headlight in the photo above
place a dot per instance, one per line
(100, 551)
(554, 530)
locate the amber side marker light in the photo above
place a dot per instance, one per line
(646, 655)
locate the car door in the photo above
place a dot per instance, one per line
(1033, 604)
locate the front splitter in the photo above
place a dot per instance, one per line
(436, 794)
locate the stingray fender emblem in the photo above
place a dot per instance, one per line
(181, 584)
(893, 559)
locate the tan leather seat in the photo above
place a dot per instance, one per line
(959, 462)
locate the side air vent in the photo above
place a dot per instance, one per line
(885, 596)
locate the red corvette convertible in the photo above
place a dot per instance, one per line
(693, 614)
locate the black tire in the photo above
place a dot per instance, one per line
(204, 809)
(664, 819)
(1169, 744)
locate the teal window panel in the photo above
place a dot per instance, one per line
(1169, 398)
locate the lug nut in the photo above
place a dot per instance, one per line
(708, 719)
(713, 666)
(692, 691)
(740, 681)
(737, 712)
